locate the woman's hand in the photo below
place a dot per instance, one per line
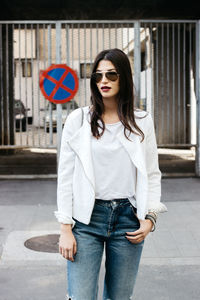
(67, 244)
(139, 235)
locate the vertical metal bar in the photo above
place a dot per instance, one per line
(109, 35)
(122, 41)
(116, 36)
(146, 58)
(128, 38)
(11, 82)
(67, 49)
(197, 164)
(152, 69)
(191, 70)
(167, 88)
(184, 98)
(79, 63)
(103, 36)
(91, 43)
(132, 66)
(72, 43)
(85, 86)
(20, 76)
(13, 72)
(173, 85)
(137, 60)
(7, 87)
(26, 120)
(50, 104)
(162, 102)
(32, 88)
(44, 65)
(58, 106)
(38, 89)
(67, 43)
(1, 85)
(179, 105)
(157, 86)
(97, 44)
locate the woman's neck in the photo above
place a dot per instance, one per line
(110, 114)
(110, 106)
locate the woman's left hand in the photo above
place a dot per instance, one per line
(139, 235)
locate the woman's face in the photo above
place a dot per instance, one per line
(107, 87)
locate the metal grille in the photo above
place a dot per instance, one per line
(163, 57)
(168, 71)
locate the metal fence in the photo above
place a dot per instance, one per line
(164, 59)
(168, 70)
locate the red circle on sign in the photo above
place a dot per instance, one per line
(44, 75)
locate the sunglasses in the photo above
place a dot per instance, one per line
(111, 75)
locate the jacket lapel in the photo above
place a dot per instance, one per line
(81, 144)
(134, 149)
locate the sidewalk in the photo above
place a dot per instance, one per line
(170, 264)
(31, 162)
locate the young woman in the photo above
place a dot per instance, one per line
(108, 184)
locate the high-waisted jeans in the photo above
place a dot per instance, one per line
(108, 225)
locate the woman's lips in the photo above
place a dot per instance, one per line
(105, 88)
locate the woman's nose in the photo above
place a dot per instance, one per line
(104, 78)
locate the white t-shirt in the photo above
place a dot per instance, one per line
(115, 174)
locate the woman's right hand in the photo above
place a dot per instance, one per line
(67, 243)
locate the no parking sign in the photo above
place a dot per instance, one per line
(58, 83)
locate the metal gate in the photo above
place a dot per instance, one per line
(164, 56)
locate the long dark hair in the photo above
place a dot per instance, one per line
(125, 106)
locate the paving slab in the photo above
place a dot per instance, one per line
(49, 282)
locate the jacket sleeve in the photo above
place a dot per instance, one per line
(153, 171)
(65, 175)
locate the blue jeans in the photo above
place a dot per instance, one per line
(109, 222)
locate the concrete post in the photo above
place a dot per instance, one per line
(6, 86)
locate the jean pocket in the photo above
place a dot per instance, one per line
(134, 211)
(77, 222)
(99, 204)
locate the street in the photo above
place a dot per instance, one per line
(170, 264)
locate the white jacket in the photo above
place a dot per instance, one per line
(76, 182)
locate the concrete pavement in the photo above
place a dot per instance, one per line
(170, 264)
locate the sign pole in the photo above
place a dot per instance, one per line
(58, 106)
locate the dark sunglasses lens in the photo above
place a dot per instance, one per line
(97, 77)
(112, 76)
